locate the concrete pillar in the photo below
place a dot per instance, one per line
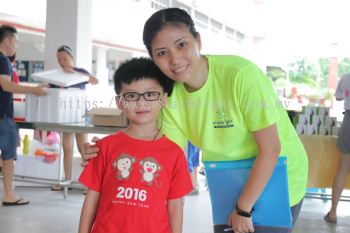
(101, 66)
(68, 22)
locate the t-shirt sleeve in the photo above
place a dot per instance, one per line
(180, 184)
(171, 130)
(92, 175)
(256, 98)
(82, 70)
(4, 67)
(339, 93)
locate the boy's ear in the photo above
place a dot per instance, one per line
(164, 100)
(118, 101)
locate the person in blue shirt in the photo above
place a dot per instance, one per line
(193, 165)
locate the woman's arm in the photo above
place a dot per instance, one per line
(92, 79)
(88, 212)
(175, 212)
(269, 147)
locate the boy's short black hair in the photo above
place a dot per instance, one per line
(141, 68)
(6, 31)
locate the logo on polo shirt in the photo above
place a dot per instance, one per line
(222, 120)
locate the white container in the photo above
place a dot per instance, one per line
(59, 106)
(19, 107)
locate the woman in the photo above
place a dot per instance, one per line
(228, 108)
(65, 59)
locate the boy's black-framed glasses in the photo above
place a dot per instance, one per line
(148, 95)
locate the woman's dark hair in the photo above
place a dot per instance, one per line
(141, 68)
(66, 49)
(161, 18)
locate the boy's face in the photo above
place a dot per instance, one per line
(144, 108)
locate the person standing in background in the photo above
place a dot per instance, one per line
(343, 144)
(15, 79)
(193, 165)
(65, 59)
(8, 129)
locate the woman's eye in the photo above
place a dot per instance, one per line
(182, 44)
(161, 53)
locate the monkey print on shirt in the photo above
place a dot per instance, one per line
(124, 166)
(149, 168)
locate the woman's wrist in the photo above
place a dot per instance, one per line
(243, 213)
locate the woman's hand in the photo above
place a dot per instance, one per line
(89, 151)
(239, 223)
(93, 80)
(67, 69)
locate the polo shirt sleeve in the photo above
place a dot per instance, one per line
(257, 99)
(171, 130)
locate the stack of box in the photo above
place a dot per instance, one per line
(59, 106)
(316, 121)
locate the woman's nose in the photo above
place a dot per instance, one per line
(174, 58)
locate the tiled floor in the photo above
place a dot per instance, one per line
(48, 212)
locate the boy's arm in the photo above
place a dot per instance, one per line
(88, 212)
(9, 86)
(175, 212)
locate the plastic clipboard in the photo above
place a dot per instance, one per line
(226, 181)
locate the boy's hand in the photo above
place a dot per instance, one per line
(89, 151)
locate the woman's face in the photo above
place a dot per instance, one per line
(176, 52)
(65, 60)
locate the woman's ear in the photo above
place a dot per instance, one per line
(199, 41)
(164, 100)
(118, 101)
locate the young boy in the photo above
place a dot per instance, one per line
(137, 181)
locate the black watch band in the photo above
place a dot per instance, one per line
(243, 213)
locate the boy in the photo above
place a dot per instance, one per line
(137, 181)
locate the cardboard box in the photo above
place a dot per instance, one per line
(107, 117)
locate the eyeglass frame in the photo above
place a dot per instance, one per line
(143, 95)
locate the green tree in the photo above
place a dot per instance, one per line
(343, 67)
(324, 72)
(303, 71)
(277, 75)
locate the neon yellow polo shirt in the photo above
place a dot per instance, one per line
(219, 118)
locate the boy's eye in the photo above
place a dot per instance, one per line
(130, 96)
(150, 94)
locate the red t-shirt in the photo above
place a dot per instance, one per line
(135, 179)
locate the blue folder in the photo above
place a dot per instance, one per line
(226, 181)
